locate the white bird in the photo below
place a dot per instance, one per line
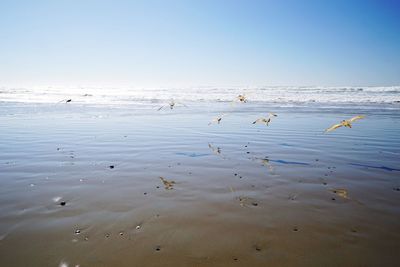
(345, 123)
(241, 98)
(217, 119)
(172, 104)
(266, 120)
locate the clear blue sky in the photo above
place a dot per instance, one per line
(199, 42)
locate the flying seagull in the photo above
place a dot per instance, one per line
(345, 123)
(172, 104)
(266, 120)
(242, 98)
(217, 119)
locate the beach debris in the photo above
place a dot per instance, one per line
(345, 123)
(111, 166)
(157, 248)
(265, 120)
(217, 119)
(257, 247)
(341, 192)
(171, 104)
(167, 184)
(63, 203)
(295, 229)
(77, 231)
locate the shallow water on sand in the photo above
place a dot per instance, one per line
(228, 207)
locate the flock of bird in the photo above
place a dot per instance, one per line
(266, 120)
(263, 120)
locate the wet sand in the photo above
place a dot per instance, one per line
(228, 206)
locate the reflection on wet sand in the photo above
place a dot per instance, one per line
(119, 204)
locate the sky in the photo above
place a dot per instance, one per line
(177, 43)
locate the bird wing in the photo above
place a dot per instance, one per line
(333, 127)
(356, 118)
(257, 121)
(272, 115)
(180, 103)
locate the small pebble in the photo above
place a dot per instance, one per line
(254, 203)
(111, 166)
(137, 227)
(63, 203)
(236, 174)
(77, 231)
(145, 193)
(333, 198)
(121, 233)
(295, 229)
(158, 248)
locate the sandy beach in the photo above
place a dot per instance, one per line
(80, 184)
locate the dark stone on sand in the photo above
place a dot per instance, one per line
(157, 248)
(69, 100)
(257, 248)
(63, 203)
(295, 229)
(145, 193)
(396, 189)
(254, 203)
(248, 152)
(157, 186)
(325, 183)
(333, 198)
(235, 259)
(111, 166)
(235, 174)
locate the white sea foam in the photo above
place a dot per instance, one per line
(92, 95)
